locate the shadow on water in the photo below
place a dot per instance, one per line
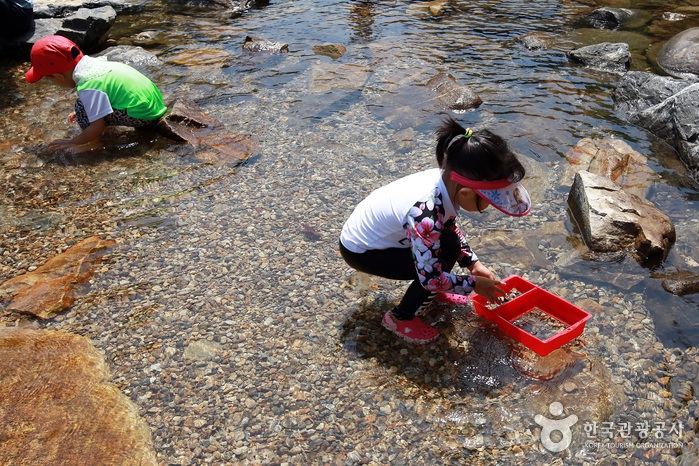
(116, 144)
(470, 358)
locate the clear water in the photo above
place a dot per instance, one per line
(328, 132)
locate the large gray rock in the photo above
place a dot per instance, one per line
(44, 9)
(612, 220)
(680, 55)
(88, 27)
(667, 107)
(607, 56)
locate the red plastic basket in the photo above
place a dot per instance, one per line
(512, 316)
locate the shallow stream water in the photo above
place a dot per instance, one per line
(225, 311)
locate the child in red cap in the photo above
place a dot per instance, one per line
(109, 93)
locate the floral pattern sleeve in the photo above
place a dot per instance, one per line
(424, 225)
(467, 256)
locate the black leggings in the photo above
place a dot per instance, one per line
(398, 264)
(116, 118)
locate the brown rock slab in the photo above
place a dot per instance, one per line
(613, 159)
(186, 122)
(48, 290)
(58, 406)
(681, 283)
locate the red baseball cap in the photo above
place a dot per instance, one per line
(52, 54)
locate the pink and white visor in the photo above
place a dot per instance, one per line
(509, 198)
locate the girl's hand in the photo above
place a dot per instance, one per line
(489, 289)
(60, 144)
(72, 118)
(480, 270)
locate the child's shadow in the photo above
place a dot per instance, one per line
(470, 357)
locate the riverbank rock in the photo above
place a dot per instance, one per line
(612, 220)
(44, 9)
(607, 56)
(680, 55)
(608, 18)
(453, 95)
(59, 407)
(613, 159)
(667, 107)
(49, 289)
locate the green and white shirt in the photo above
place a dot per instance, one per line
(105, 86)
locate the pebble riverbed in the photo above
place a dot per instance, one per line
(227, 315)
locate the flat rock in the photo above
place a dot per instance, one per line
(611, 158)
(49, 289)
(58, 405)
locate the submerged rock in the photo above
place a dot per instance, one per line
(186, 122)
(612, 220)
(49, 289)
(608, 18)
(453, 95)
(59, 407)
(681, 283)
(260, 44)
(611, 158)
(535, 41)
(333, 51)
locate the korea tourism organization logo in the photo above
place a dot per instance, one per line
(557, 433)
(562, 426)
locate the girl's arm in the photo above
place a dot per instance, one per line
(424, 226)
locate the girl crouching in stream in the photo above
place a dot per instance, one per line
(407, 229)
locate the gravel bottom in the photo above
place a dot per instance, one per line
(227, 315)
